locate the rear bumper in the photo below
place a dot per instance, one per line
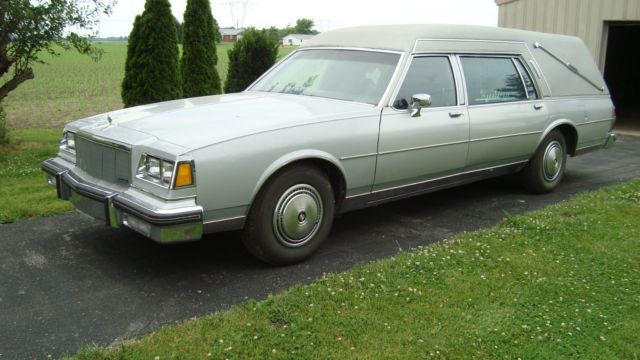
(162, 221)
(609, 140)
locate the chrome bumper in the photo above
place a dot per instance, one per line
(115, 208)
(609, 140)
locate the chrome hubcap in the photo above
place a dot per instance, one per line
(297, 215)
(553, 161)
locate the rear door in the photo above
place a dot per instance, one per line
(506, 114)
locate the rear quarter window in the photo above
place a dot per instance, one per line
(492, 80)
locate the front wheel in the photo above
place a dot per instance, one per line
(546, 169)
(291, 216)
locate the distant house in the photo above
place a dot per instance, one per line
(231, 34)
(296, 39)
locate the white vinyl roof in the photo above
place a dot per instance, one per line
(403, 37)
(563, 59)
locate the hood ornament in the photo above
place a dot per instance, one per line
(109, 119)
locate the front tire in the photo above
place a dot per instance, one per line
(546, 169)
(291, 216)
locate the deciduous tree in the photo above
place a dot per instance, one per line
(29, 28)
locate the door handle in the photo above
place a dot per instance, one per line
(538, 106)
(455, 114)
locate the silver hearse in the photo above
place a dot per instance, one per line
(353, 118)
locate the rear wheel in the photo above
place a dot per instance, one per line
(546, 169)
(291, 216)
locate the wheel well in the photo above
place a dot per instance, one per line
(336, 178)
(571, 137)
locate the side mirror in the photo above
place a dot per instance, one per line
(418, 101)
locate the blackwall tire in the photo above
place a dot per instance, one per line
(291, 216)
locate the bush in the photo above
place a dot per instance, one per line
(199, 58)
(152, 69)
(249, 58)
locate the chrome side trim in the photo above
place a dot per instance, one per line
(228, 224)
(403, 191)
(353, 157)
(594, 121)
(587, 149)
(506, 136)
(451, 176)
(421, 147)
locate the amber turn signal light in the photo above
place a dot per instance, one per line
(184, 176)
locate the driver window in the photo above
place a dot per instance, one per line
(428, 75)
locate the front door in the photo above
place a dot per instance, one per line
(412, 151)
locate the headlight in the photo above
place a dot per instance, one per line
(163, 172)
(155, 170)
(68, 141)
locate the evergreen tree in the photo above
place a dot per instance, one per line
(249, 58)
(152, 68)
(199, 57)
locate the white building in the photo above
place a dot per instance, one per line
(296, 39)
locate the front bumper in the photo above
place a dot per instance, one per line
(162, 221)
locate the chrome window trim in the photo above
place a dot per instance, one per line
(523, 64)
(524, 86)
(414, 50)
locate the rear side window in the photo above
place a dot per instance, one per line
(492, 80)
(428, 75)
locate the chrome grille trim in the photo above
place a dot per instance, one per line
(104, 160)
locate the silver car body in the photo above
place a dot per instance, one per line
(374, 152)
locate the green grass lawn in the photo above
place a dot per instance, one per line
(25, 192)
(563, 282)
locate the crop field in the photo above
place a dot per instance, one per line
(72, 86)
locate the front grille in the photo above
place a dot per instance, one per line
(109, 162)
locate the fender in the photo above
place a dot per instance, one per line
(290, 158)
(555, 124)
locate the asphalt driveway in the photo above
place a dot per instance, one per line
(67, 281)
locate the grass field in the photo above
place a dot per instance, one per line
(69, 87)
(563, 282)
(72, 86)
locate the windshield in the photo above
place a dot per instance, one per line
(352, 75)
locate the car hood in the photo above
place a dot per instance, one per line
(197, 122)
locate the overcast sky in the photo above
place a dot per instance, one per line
(327, 14)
